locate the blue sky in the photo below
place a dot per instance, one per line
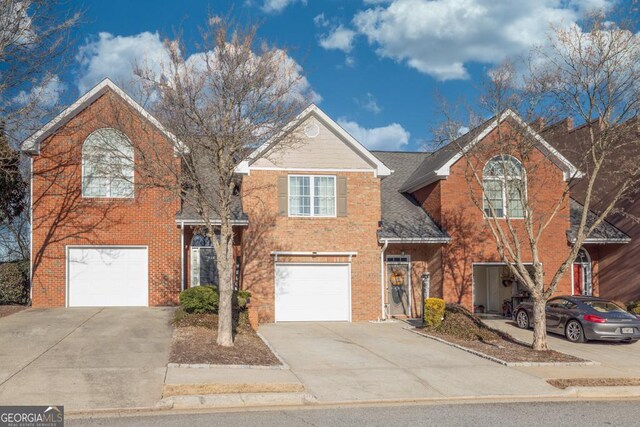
(376, 65)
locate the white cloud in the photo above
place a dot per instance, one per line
(339, 38)
(116, 56)
(390, 137)
(46, 94)
(277, 6)
(369, 103)
(440, 37)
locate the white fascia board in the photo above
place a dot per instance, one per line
(31, 145)
(569, 170)
(380, 168)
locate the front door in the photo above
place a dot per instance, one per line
(398, 288)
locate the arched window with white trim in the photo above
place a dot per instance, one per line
(504, 187)
(107, 165)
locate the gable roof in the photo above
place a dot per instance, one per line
(31, 145)
(438, 165)
(403, 219)
(313, 110)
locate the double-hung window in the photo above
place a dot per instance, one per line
(107, 165)
(504, 187)
(312, 195)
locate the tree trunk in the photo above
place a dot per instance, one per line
(539, 324)
(225, 309)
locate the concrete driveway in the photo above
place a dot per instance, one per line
(373, 361)
(84, 358)
(615, 359)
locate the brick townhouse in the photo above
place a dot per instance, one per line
(326, 230)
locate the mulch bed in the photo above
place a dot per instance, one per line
(593, 382)
(462, 328)
(508, 350)
(6, 310)
(194, 342)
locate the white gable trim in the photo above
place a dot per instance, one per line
(31, 145)
(379, 168)
(568, 169)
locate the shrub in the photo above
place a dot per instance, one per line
(14, 283)
(200, 299)
(242, 298)
(433, 311)
(633, 306)
(636, 309)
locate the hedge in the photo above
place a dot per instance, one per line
(433, 311)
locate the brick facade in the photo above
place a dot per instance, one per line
(62, 217)
(269, 232)
(471, 238)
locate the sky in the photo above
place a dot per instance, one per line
(377, 67)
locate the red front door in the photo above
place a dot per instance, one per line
(577, 279)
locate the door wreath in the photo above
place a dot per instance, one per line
(397, 277)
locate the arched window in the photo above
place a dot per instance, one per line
(107, 165)
(504, 184)
(582, 283)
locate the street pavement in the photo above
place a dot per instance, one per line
(591, 413)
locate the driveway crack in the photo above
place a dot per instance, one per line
(48, 349)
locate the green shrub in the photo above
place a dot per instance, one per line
(636, 310)
(200, 299)
(242, 298)
(433, 311)
(14, 282)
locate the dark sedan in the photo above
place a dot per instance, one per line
(582, 318)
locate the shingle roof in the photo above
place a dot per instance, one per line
(189, 214)
(437, 159)
(402, 216)
(604, 233)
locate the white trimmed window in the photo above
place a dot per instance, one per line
(312, 195)
(107, 165)
(504, 187)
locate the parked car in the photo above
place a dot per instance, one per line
(583, 318)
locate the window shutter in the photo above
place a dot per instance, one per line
(283, 196)
(341, 186)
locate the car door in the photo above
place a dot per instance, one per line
(553, 312)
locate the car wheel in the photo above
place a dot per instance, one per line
(522, 319)
(574, 332)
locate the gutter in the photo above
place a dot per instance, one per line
(387, 240)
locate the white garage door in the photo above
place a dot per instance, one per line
(107, 276)
(313, 292)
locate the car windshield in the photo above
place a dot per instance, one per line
(605, 307)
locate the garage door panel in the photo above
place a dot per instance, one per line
(312, 292)
(107, 277)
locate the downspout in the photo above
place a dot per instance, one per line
(182, 255)
(31, 230)
(382, 279)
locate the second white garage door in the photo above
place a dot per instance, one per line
(313, 292)
(102, 276)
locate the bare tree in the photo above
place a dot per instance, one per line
(34, 40)
(589, 74)
(221, 103)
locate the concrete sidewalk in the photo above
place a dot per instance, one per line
(615, 359)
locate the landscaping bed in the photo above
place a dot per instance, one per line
(461, 328)
(194, 342)
(563, 383)
(6, 310)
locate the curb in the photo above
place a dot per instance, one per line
(500, 361)
(604, 391)
(235, 400)
(215, 366)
